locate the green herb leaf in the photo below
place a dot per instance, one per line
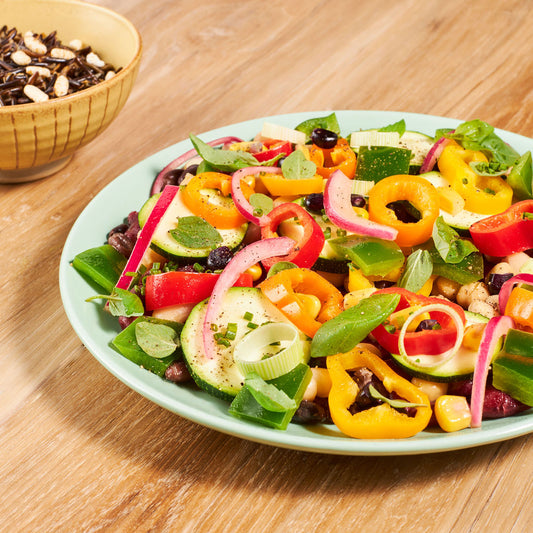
(267, 395)
(279, 266)
(397, 126)
(261, 203)
(418, 270)
(195, 232)
(397, 404)
(296, 166)
(478, 135)
(223, 160)
(121, 302)
(342, 333)
(328, 123)
(521, 177)
(451, 247)
(157, 340)
(482, 168)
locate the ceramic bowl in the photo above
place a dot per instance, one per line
(38, 139)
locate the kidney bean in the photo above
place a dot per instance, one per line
(178, 372)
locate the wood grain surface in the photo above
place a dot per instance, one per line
(79, 451)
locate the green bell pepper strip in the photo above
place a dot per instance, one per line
(126, 343)
(293, 384)
(102, 264)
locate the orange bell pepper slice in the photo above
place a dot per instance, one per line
(219, 210)
(340, 157)
(278, 185)
(520, 306)
(283, 288)
(419, 192)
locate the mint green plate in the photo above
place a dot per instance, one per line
(96, 329)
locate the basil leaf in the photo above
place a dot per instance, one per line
(195, 232)
(397, 404)
(520, 177)
(279, 266)
(121, 302)
(418, 269)
(451, 247)
(479, 136)
(157, 340)
(261, 203)
(328, 123)
(267, 395)
(296, 166)
(342, 333)
(482, 168)
(223, 160)
(397, 126)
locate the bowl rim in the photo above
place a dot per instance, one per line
(119, 76)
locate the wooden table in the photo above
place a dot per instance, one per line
(82, 452)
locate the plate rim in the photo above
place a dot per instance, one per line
(301, 438)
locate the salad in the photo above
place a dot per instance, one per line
(378, 280)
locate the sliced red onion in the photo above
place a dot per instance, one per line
(182, 159)
(338, 206)
(508, 286)
(433, 155)
(496, 328)
(241, 261)
(241, 203)
(146, 234)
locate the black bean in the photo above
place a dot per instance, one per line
(310, 412)
(357, 200)
(428, 324)
(122, 243)
(324, 138)
(314, 202)
(495, 282)
(219, 258)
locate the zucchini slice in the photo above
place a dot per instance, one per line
(164, 244)
(220, 376)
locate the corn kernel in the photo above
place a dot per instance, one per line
(361, 212)
(433, 389)
(427, 287)
(452, 413)
(255, 271)
(472, 336)
(310, 303)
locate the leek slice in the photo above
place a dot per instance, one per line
(271, 350)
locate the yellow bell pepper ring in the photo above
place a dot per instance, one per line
(415, 190)
(381, 421)
(487, 195)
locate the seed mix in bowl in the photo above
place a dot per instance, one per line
(35, 68)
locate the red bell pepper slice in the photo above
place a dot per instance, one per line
(310, 245)
(506, 233)
(275, 148)
(177, 287)
(425, 342)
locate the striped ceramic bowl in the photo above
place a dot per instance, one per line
(38, 139)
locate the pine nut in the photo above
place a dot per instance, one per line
(76, 44)
(42, 71)
(35, 94)
(94, 60)
(20, 58)
(62, 53)
(110, 74)
(34, 44)
(61, 86)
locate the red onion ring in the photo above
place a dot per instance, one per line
(241, 203)
(433, 155)
(182, 159)
(496, 328)
(338, 206)
(508, 286)
(241, 261)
